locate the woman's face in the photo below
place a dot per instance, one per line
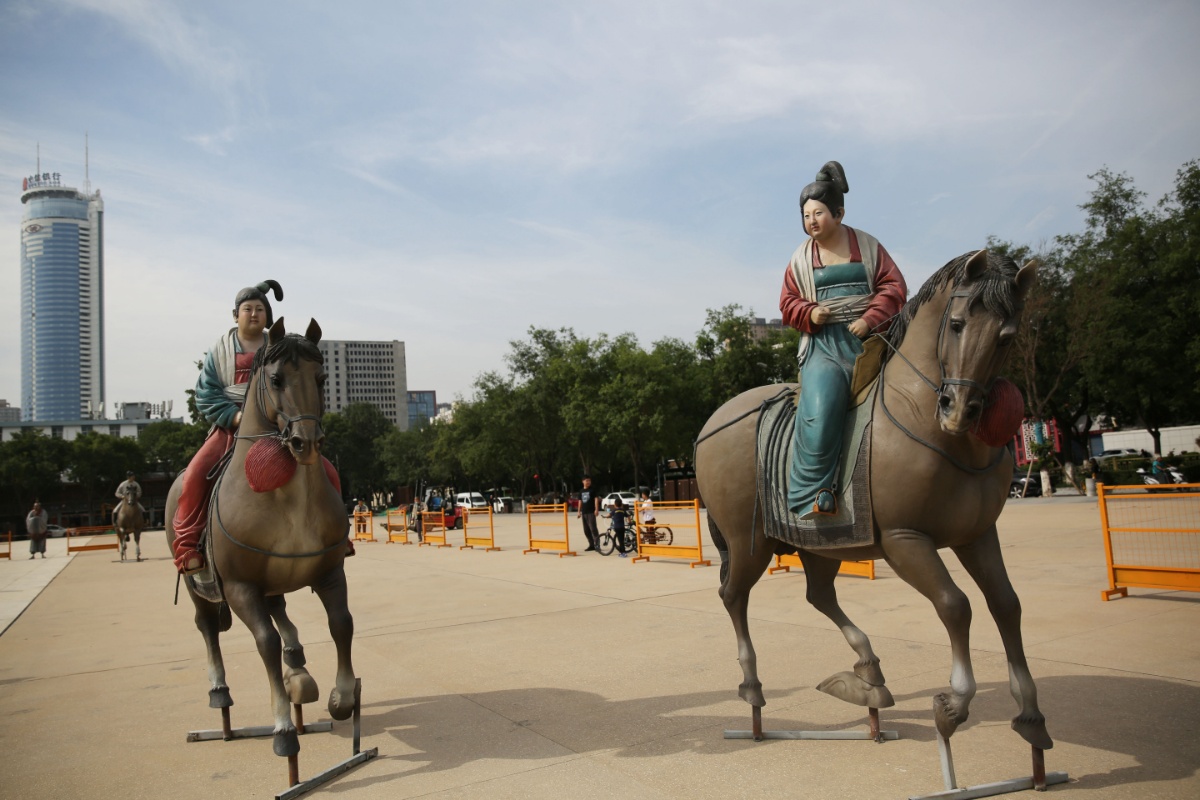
(819, 222)
(251, 319)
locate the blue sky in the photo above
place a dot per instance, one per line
(449, 174)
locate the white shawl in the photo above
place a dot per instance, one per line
(845, 309)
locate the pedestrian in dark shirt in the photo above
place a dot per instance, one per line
(589, 506)
(620, 518)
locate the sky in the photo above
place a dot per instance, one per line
(450, 174)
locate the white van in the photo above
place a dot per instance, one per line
(470, 500)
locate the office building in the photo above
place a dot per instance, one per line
(367, 372)
(422, 408)
(9, 413)
(62, 301)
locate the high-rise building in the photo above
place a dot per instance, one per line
(367, 372)
(422, 408)
(62, 301)
(9, 413)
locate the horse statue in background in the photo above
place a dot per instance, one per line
(129, 521)
(276, 525)
(932, 486)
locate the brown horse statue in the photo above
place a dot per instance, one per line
(129, 521)
(267, 543)
(933, 485)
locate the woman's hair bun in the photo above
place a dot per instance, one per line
(833, 173)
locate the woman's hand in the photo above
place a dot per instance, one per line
(820, 315)
(859, 328)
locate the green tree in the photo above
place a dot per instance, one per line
(350, 439)
(170, 445)
(98, 463)
(31, 467)
(1136, 271)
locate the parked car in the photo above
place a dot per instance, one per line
(1030, 486)
(55, 531)
(628, 499)
(470, 500)
(1122, 452)
(503, 504)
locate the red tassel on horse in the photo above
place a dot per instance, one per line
(269, 464)
(1002, 414)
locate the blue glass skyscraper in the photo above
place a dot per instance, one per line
(62, 301)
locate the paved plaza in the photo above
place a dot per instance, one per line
(503, 675)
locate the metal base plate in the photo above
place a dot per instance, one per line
(254, 732)
(992, 789)
(328, 775)
(829, 735)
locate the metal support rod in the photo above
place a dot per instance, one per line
(758, 734)
(993, 789)
(947, 759)
(226, 728)
(873, 721)
(357, 706)
(299, 718)
(293, 769)
(253, 732)
(1039, 769)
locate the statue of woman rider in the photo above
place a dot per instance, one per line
(220, 394)
(840, 287)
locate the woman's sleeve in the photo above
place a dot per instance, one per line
(890, 292)
(797, 312)
(211, 401)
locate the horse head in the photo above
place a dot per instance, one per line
(982, 313)
(290, 388)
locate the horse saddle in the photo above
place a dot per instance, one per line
(853, 524)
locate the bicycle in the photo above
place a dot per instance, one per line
(608, 541)
(657, 534)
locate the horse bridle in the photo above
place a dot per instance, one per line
(264, 397)
(939, 390)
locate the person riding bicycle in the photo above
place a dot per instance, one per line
(646, 515)
(619, 518)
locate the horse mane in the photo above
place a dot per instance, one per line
(292, 347)
(996, 288)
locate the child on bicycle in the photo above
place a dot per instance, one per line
(619, 519)
(646, 513)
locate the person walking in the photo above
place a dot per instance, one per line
(35, 526)
(589, 506)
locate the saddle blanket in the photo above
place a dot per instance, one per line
(853, 523)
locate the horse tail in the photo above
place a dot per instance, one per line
(722, 548)
(225, 619)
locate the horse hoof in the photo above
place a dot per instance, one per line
(219, 697)
(752, 694)
(1033, 730)
(341, 704)
(301, 687)
(294, 656)
(870, 672)
(945, 716)
(850, 687)
(286, 743)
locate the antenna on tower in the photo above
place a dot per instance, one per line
(39, 158)
(87, 176)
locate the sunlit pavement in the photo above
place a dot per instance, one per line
(503, 675)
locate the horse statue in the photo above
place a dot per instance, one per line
(932, 485)
(129, 521)
(267, 540)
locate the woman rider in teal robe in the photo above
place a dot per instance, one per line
(840, 286)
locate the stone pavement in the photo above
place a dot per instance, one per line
(502, 675)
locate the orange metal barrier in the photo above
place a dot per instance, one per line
(91, 530)
(548, 511)
(396, 525)
(433, 529)
(1151, 537)
(679, 523)
(8, 554)
(364, 526)
(473, 530)
(865, 569)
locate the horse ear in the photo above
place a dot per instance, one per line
(976, 265)
(313, 334)
(277, 332)
(1027, 278)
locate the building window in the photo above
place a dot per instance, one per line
(56, 431)
(114, 430)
